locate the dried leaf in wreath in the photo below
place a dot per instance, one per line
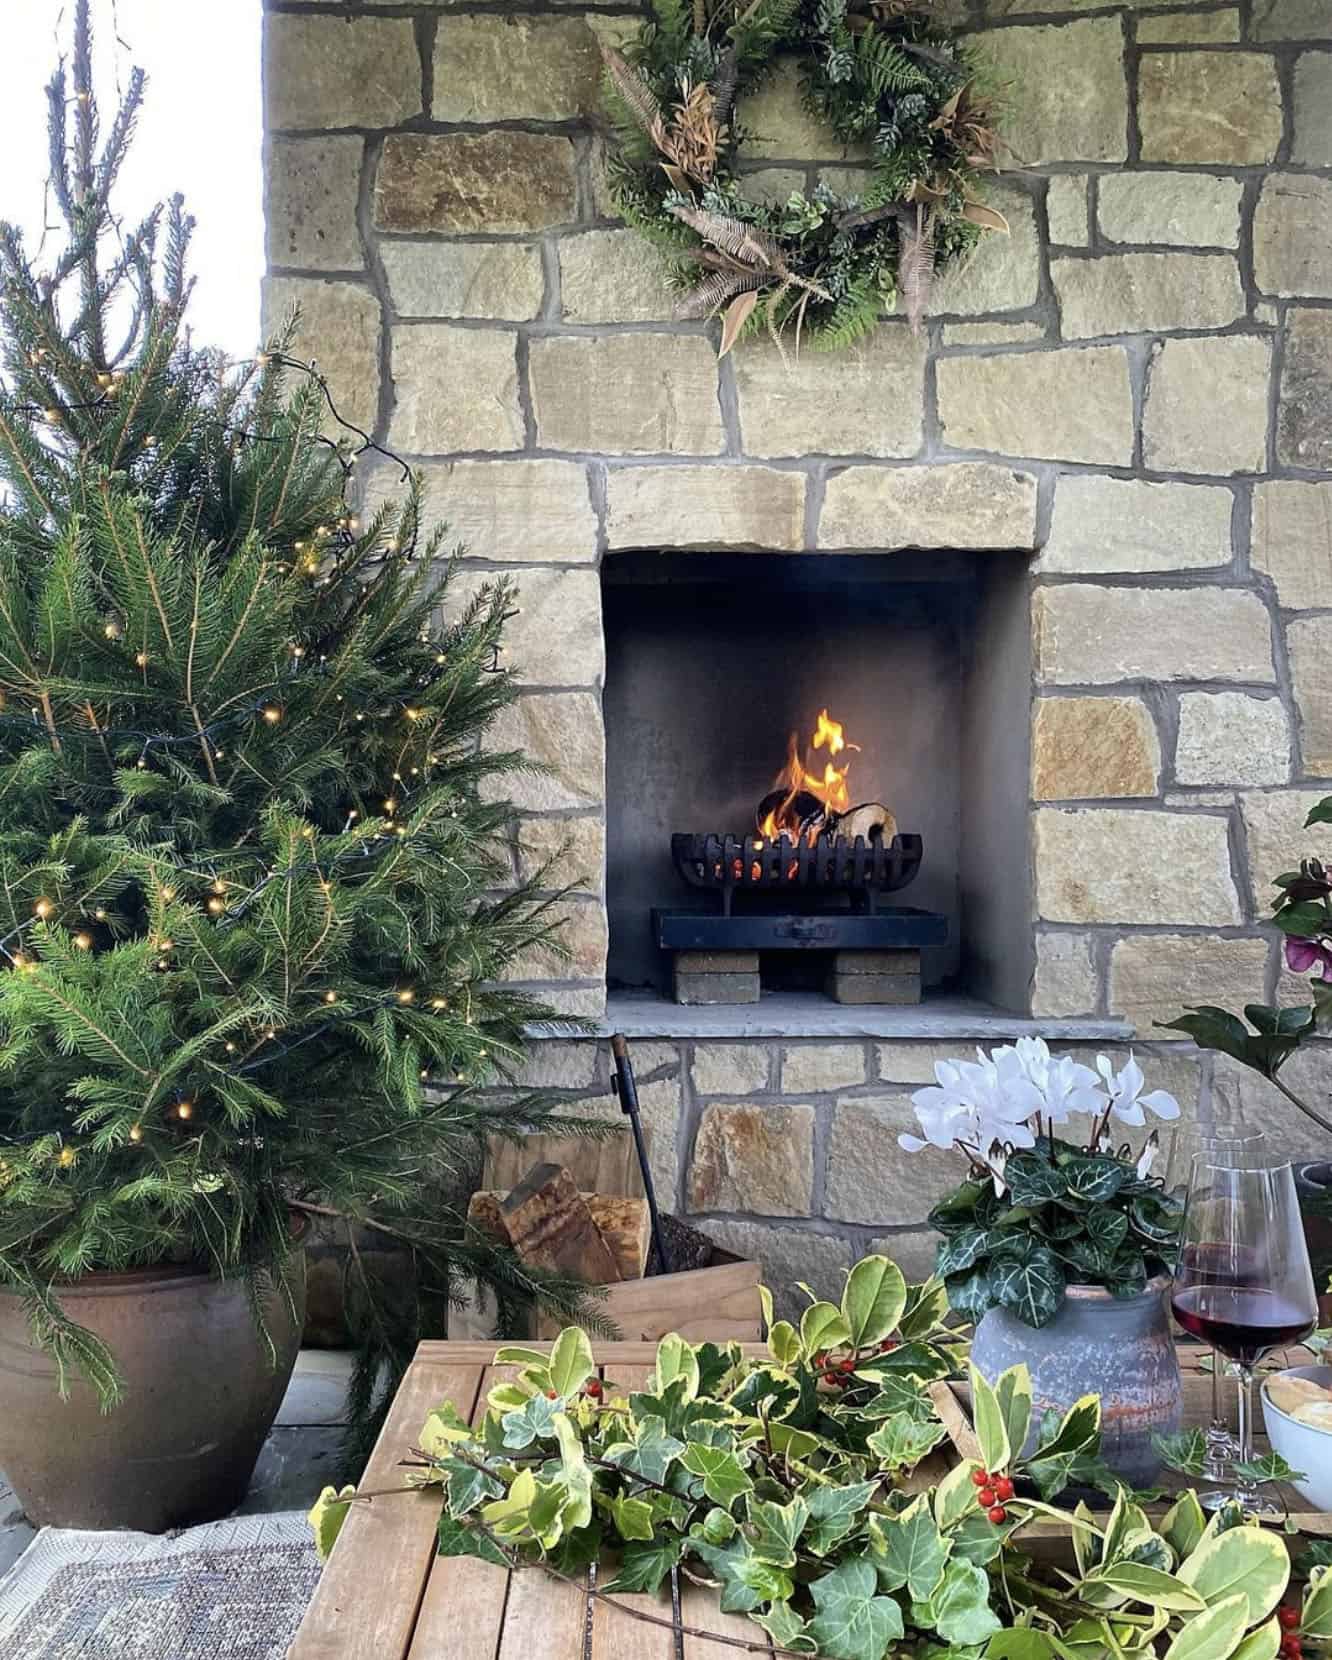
(915, 263)
(714, 291)
(733, 236)
(638, 96)
(678, 177)
(988, 218)
(737, 315)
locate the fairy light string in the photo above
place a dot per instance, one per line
(329, 542)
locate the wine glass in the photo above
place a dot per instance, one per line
(1216, 1144)
(1243, 1283)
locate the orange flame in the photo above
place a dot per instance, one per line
(830, 788)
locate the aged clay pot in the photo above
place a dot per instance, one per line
(201, 1394)
(1118, 1348)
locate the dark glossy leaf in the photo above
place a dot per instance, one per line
(1128, 1273)
(1320, 814)
(958, 1209)
(1106, 1228)
(1033, 1288)
(969, 1294)
(1090, 1264)
(961, 1251)
(1094, 1178)
(1213, 1028)
(645, 1564)
(1302, 919)
(1033, 1180)
(1156, 1216)
(455, 1539)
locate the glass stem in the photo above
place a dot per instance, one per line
(1218, 1365)
(1245, 1417)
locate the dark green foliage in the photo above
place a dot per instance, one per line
(1066, 1217)
(257, 904)
(900, 86)
(1266, 1038)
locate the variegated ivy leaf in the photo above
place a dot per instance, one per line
(1184, 1451)
(533, 1421)
(832, 1513)
(901, 1443)
(852, 1621)
(724, 1477)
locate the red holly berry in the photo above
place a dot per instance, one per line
(552, 1395)
(1289, 1617)
(1291, 1648)
(987, 1497)
(981, 1477)
(820, 1360)
(1004, 1488)
(593, 1388)
(997, 1514)
(847, 1365)
(888, 1344)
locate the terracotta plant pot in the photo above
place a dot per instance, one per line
(1118, 1348)
(200, 1396)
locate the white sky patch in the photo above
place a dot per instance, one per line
(200, 132)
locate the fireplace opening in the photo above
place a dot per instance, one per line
(816, 775)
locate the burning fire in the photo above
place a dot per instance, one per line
(791, 816)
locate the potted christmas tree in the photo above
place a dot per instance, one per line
(255, 905)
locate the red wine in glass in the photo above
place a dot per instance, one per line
(1242, 1282)
(1244, 1324)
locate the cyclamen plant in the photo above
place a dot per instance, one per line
(1039, 1212)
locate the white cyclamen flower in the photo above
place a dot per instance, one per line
(1125, 1091)
(974, 1103)
(1070, 1087)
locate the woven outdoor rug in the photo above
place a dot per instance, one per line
(233, 1590)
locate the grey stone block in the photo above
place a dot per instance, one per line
(877, 962)
(716, 988)
(874, 988)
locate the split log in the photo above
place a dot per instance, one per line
(623, 1223)
(550, 1226)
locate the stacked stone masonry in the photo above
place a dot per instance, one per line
(1134, 389)
(786, 1150)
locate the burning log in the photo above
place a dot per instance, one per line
(871, 820)
(798, 815)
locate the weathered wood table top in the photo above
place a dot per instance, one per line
(386, 1595)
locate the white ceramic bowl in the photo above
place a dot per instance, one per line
(1301, 1445)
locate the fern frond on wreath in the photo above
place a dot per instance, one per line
(713, 292)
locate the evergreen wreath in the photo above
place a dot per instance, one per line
(885, 78)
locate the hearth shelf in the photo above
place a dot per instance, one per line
(808, 1015)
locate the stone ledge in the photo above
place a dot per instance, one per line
(793, 1015)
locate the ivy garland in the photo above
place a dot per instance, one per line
(889, 82)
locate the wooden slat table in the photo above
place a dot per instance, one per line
(385, 1595)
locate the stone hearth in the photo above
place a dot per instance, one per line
(1133, 392)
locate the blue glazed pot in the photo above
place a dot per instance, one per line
(1118, 1348)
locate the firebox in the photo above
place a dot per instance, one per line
(816, 775)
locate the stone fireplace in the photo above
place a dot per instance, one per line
(1091, 507)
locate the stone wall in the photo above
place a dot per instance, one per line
(786, 1151)
(1136, 386)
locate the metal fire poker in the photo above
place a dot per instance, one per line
(627, 1090)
